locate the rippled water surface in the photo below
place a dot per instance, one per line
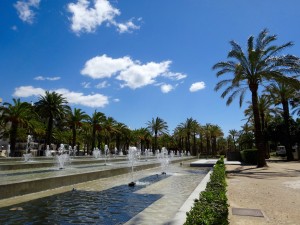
(116, 205)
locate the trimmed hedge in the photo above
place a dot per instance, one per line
(212, 207)
(249, 156)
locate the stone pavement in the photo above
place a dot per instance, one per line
(273, 190)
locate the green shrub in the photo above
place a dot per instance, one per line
(249, 156)
(212, 207)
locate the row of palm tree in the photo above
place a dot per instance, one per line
(259, 66)
(51, 120)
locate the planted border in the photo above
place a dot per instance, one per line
(211, 208)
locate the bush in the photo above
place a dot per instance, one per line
(249, 156)
(212, 207)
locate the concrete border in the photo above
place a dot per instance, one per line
(180, 216)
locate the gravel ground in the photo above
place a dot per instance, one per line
(275, 190)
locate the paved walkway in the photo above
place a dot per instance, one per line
(274, 190)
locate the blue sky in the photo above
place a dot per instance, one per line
(134, 60)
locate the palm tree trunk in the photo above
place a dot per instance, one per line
(49, 130)
(259, 138)
(287, 138)
(13, 138)
(74, 136)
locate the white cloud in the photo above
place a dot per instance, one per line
(166, 88)
(86, 84)
(137, 75)
(197, 86)
(132, 74)
(175, 76)
(25, 11)
(116, 100)
(103, 84)
(95, 100)
(27, 91)
(86, 17)
(104, 66)
(46, 78)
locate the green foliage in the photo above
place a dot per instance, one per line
(212, 207)
(249, 156)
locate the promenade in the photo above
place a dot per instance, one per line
(259, 196)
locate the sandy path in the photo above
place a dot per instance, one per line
(275, 190)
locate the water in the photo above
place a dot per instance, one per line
(48, 152)
(27, 157)
(164, 159)
(63, 158)
(132, 158)
(96, 153)
(116, 205)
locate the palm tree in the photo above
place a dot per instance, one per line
(96, 122)
(295, 103)
(215, 132)
(75, 120)
(283, 93)
(250, 69)
(53, 107)
(190, 128)
(109, 129)
(157, 126)
(234, 134)
(16, 114)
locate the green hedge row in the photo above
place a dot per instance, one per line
(212, 207)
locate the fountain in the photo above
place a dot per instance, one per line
(48, 152)
(106, 154)
(132, 157)
(62, 158)
(27, 156)
(121, 152)
(96, 153)
(8, 150)
(163, 159)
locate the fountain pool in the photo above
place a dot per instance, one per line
(111, 201)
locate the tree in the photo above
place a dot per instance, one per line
(234, 134)
(259, 63)
(75, 120)
(215, 132)
(52, 106)
(157, 126)
(282, 93)
(96, 121)
(15, 114)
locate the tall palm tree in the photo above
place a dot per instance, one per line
(157, 126)
(207, 135)
(96, 121)
(281, 93)
(260, 62)
(53, 107)
(234, 135)
(75, 120)
(109, 129)
(215, 132)
(16, 114)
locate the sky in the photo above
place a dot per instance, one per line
(134, 60)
